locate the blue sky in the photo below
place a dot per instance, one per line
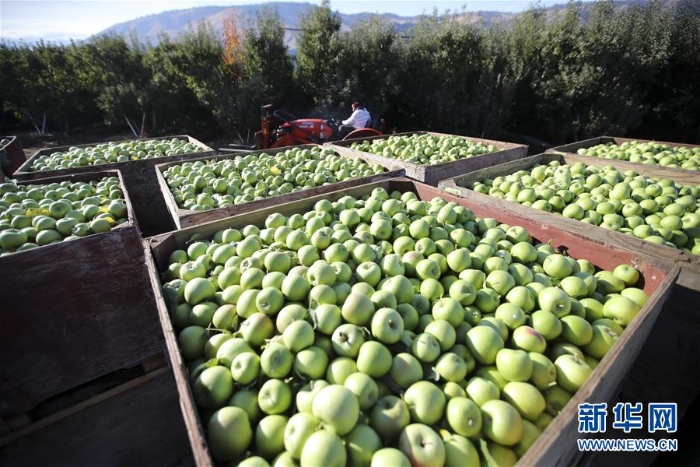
(60, 20)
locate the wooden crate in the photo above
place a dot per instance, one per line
(11, 156)
(666, 370)
(557, 444)
(74, 311)
(186, 218)
(134, 422)
(690, 273)
(572, 148)
(668, 367)
(139, 179)
(432, 174)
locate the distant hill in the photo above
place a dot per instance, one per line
(175, 23)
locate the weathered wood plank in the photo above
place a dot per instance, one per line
(83, 310)
(11, 156)
(137, 424)
(149, 206)
(76, 400)
(555, 445)
(193, 423)
(74, 311)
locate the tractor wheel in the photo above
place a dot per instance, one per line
(362, 133)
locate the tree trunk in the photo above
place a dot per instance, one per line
(33, 122)
(128, 122)
(143, 125)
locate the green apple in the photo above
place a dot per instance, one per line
(361, 444)
(463, 416)
(229, 433)
(459, 451)
(514, 365)
(572, 372)
(406, 369)
(389, 416)
(481, 390)
(269, 435)
(324, 447)
(603, 338)
(526, 398)
(338, 407)
(501, 422)
(299, 428)
(556, 398)
(528, 339)
(557, 266)
(374, 359)
(621, 309)
(544, 373)
(387, 325)
(576, 330)
(554, 300)
(426, 402)
(422, 445)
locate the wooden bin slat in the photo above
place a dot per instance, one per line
(432, 174)
(572, 148)
(11, 156)
(690, 273)
(187, 218)
(74, 311)
(137, 423)
(139, 179)
(195, 432)
(557, 444)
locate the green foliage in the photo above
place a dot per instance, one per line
(187, 77)
(557, 75)
(41, 85)
(113, 77)
(368, 62)
(449, 56)
(268, 70)
(318, 57)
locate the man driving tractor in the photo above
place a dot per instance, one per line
(279, 128)
(359, 119)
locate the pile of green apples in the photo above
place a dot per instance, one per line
(211, 184)
(106, 153)
(425, 149)
(660, 211)
(35, 215)
(387, 330)
(652, 152)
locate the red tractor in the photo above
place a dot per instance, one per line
(281, 129)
